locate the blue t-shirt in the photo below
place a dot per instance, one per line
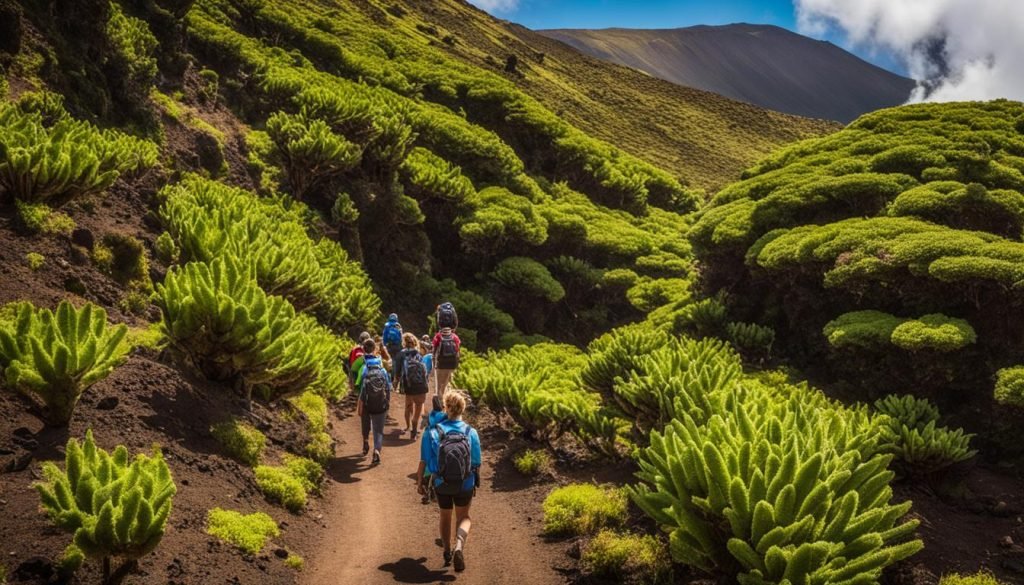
(431, 444)
(428, 360)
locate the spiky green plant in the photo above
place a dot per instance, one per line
(920, 445)
(617, 353)
(308, 151)
(66, 158)
(114, 507)
(55, 356)
(750, 338)
(772, 490)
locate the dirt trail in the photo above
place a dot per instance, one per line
(379, 532)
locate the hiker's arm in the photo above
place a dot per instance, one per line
(475, 457)
(359, 406)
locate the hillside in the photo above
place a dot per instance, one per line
(702, 137)
(759, 64)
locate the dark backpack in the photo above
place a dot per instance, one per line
(375, 390)
(446, 316)
(447, 353)
(454, 460)
(392, 335)
(415, 374)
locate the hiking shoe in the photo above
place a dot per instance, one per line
(425, 499)
(412, 435)
(447, 557)
(366, 448)
(376, 457)
(460, 562)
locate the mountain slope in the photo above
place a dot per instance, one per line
(764, 65)
(700, 136)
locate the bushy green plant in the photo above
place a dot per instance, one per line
(583, 508)
(55, 356)
(628, 558)
(535, 385)
(750, 338)
(617, 354)
(114, 507)
(427, 175)
(294, 561)
(705, 317)
(309, 152)
(56, 162)
(1010, 386)
(920, 446)
(775, 489)
(280, 485)
(133, 51)
(241, 441)
(877, 330)
(35, 260)
(39, 218)
(218, 316)
(167, 249)
(524, 276)
(249, 532)
(979, 578)
(532, 461)
(309, 473)
(314, 408)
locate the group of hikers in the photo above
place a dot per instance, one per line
(449, 467)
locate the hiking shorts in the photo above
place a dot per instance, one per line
(461, 499)
(416, 398)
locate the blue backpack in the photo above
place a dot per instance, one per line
(392, 336)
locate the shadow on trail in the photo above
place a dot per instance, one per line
(410, 570)
(347, 469)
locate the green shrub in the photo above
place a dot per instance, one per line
(39, 218)
(309, 473)
(750, 338)
(1010, 386)
(218, 316)
(532, 461)
(241, 441)
(34, 260)
(66, 159)
(877, 330)
(705, 317)
(308, 152)
(280, 485)
(524, 276)
(628, 558)
(618, 353)
(979, 578)
(114, 507)
(128, 261)
(805, 504)
(55, 356)
(583, 509)
(314, 408)
(70, 561)
(133, 52)
(920, 446)
(249, 532)
(167, 249)
(294, 561)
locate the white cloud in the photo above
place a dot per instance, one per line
(959, 49)
(496, 6)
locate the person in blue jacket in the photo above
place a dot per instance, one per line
(391, 335)
(374, 385)
(430, 446)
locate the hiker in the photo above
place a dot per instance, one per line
(450, 452)
(392, 337)
(447, 347)
(353, 356)
(427, 351)
(382, 352)
(446, 316)
(374, 399)
(435, 416)
(414, 382)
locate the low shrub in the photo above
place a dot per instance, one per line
(35, 260)
(167, 249)
(55, 356)
(249, 532)
(1010, 386)
(313, 407)
(627, 558)
(920, 446)
(583, 508)
(294, 561)
(308, 472)
(241, 441)
(115, 507)
(290, 483)
(979, 578)
(39, 218)
(532, 461)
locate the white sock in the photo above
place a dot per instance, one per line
(460, 539)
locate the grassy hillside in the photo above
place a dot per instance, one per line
(759, 64)
(701, 137)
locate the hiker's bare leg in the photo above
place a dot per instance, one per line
(463, 521)
(446, 529)
(417, 413)
(408, 412)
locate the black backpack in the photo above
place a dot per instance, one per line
(446, 316)
(447, 353)
(454, 460)
(375, 390)
(415, 376)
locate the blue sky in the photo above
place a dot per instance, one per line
(538, 14)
